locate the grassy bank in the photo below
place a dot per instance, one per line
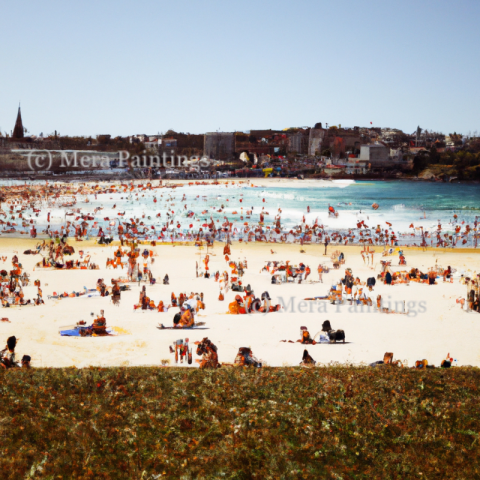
(336, 422)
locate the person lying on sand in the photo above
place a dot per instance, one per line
(423, 364)
(387, 360)
(182, 320)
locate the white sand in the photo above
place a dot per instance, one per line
(441, 328)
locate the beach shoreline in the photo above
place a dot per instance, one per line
(30, 243)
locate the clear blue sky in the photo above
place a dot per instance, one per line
(126, 67)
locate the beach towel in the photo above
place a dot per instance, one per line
(75, 332)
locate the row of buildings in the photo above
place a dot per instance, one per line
(340, 145)
(355, 150)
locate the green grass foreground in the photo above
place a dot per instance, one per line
(148, 423)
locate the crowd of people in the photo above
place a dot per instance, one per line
(25, 206)
(175, 217)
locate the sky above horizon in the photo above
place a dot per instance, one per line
(125, 67)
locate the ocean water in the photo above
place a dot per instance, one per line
(423, 204)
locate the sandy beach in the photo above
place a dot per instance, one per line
(434, 326)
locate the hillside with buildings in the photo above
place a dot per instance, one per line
(321, 151)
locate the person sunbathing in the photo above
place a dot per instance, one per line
(307, 272)
(267, 303)
(7, 355)
(248, 298)
(186, 320)
(99, 326)
(173, 300)
(307, 360)
(245, 358)
(306, 338)
(145, 302)
(387, 360)
(366, 297)
(115, 290)
(151, 304)
(26, 359)
(209, 354)
(422, 365)
(237, 306)
(447, 273)
(161, 307)
(181, 299)
(335, 294)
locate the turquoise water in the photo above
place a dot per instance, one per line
(423, 204)
(401, 203)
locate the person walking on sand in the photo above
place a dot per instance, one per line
(326, 244)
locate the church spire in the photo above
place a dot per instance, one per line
(18, 130)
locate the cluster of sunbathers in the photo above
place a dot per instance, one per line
(7, 356)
